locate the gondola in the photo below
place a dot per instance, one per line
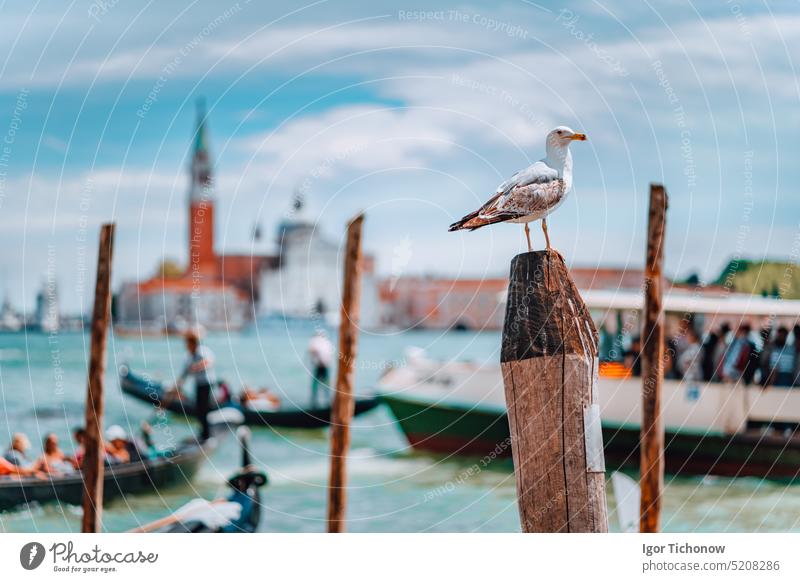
(240, 512)
(152, 391)
(149, 475)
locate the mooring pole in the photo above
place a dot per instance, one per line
(342, 411)
(549, 363)
(652, 431)
(92, 469)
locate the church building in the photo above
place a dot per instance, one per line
(215, 291)
(306, 282)
(301, 279)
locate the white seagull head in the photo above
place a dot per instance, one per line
(557, 146)
(562, 135)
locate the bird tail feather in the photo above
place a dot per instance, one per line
(473, 221)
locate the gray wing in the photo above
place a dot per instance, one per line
(534, 191)
(538, 173)
(536, 200)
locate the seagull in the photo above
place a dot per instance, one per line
(533, 193)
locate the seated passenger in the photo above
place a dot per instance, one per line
(262, 399)
(222, 394)
(9, 469)
(117, 448)
(120, 447)
(53, 460)
(17, 452)
(79, 436)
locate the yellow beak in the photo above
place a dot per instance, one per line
(579, 136)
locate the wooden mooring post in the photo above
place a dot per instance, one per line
(342, 410)
(652, 430)
(95, 399)
(549, 363)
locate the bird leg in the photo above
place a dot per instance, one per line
(528, 236)
(546, 237)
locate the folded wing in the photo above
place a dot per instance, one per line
(531, 192)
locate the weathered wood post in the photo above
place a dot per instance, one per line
(342, 411)
(549, 363)
(652, 430)
(95, 399)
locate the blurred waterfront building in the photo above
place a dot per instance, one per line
(46, 316)
(443, 303)
(305, 282)
(474, 304)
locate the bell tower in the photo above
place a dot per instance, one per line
(202, 260)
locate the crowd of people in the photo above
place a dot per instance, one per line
(118, 448)
(770, 358)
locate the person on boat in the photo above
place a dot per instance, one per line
(122, 449)
(263, 399)
(200, 366)
(223, 393)
(741, 358)
(53, 460)
(17, 453)
(796, 345)
(713, 351)
(778, 360)
(675, 347)
(320, 352)
(690, 361)
(633, 357)
(9, 469)
(79, 436)
(147, 443)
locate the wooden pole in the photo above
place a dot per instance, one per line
(93, 456)
(342, 411)
(652, 430)
(549, 364)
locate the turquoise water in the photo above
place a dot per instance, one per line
(43, 383)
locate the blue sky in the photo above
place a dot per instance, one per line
(412, 111)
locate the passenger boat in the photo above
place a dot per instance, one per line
(720, 429)
(153, 392)
(240, 512)
(149, 475)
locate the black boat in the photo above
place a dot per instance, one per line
(149, 475)
(152, 391)
(200, 516)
